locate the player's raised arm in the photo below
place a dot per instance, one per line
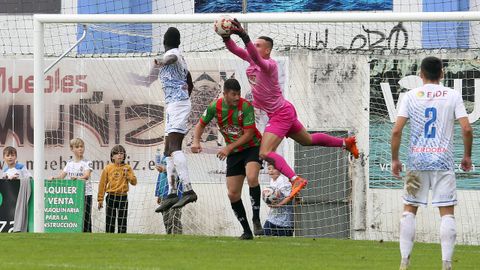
(146, 81)
(232, 47)
(252, 51)
(167, 60)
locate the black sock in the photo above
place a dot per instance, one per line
(239, 211)
(255, 199)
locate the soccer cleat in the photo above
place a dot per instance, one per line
(246, 236)
(447, 265)
(188, 197)
(257, 228)
(351, 146)
(297, 184)
(166, 203)
(404, 263)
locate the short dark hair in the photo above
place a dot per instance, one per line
(117, 149)
(268, 39)
(9, 150)
(231, 85)
(431, 68)
(172, 37)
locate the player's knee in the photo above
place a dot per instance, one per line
(305, 142)
(234, 196)
(252, 179)
(263, 155)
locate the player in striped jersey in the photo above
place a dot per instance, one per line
(177, 85)
(431, 111)
(236, 121)
(283, 121)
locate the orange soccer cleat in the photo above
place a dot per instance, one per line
(351, 146)
(297, 184)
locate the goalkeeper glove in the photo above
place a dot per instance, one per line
(237, 29)
(412, 183)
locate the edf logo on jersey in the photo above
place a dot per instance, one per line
(432, 94)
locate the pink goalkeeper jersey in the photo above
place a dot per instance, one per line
(263, 77)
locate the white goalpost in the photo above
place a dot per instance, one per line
(351, 86)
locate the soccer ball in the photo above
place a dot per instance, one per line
(223, 25)
(269, 195)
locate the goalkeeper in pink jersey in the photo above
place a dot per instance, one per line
(283, 121)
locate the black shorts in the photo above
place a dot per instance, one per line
(236, 162)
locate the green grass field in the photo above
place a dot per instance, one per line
(132, 251)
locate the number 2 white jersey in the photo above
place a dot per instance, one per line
(432, 110)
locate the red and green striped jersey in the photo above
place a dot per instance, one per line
(232, 121)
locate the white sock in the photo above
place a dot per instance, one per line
(448, 234)
(407, 234)
(172, 187)
(180, 161)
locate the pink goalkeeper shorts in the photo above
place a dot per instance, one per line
(284, 122)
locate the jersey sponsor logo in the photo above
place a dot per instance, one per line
(432, 94)
(252, 79)
(232, 130)
(429, 149)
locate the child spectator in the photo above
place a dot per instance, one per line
(114, 181)
(16, 171)
(172, 218)
(80, 168)
(280, 219)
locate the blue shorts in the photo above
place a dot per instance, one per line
(274, 230)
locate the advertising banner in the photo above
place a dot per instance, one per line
(8, 200)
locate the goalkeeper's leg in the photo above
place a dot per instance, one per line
(300, 135)
(270, 142)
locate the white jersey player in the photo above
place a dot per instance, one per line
(431, 111)
(177, 84)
